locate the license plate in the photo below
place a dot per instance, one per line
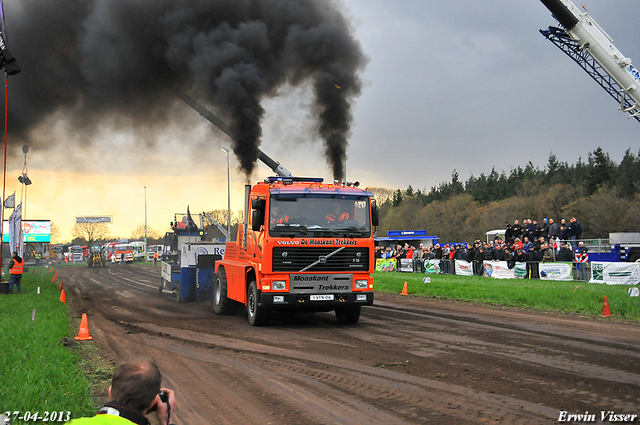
(328, 297)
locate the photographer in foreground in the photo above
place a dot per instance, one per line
(135, 391)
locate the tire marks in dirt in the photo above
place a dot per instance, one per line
(332, 390)
(583, 359)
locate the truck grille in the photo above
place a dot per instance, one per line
(293, 259)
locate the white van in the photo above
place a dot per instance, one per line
(491, 235)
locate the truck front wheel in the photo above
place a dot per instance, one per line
(221, 303)
(348, 315)
(257, 314)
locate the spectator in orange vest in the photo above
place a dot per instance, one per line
(16, 268)
(276, 217)
(155, 258)
(337, 216)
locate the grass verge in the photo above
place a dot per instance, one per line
(567, 297)
(42, 367)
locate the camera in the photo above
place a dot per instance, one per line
(164, 396)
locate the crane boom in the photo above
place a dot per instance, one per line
(218, 225)
(275, 166)
(584, 41)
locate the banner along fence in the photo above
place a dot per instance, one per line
(610, 273)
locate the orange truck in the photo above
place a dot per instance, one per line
(123, 253)
(305, 246)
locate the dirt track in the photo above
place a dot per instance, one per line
(408, 360)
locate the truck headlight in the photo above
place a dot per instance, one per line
(362, 284)
(278, 299)
(361, 297)
(279, 285)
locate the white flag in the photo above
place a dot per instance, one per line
(10, 202)
(16, 242)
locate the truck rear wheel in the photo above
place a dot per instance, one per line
(348, 315)
(257, 314)
(221, 303)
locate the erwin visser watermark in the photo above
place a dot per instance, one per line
(604, 416)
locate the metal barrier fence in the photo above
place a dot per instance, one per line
(579, 271)
(596, 245)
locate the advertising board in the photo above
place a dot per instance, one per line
(33, 231)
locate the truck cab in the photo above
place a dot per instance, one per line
(305, 246)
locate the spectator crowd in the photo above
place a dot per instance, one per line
(530, 241)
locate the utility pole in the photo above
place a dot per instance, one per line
(146, 246)
(228, 197)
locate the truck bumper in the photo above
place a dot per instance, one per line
(279, 301)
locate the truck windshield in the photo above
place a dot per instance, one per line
(320, 215)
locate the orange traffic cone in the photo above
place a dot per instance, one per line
(51, 270)
(83, 333)
(605, 308)
(62, 297)
(61, 285)
(404, 289)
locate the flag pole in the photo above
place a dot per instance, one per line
(4, 177)
(4, 169)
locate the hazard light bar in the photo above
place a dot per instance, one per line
(289, 180)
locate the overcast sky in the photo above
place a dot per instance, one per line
(449, 85)
(470, 85)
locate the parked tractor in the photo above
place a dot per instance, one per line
(96, 257)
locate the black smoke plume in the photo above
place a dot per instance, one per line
(111, 61)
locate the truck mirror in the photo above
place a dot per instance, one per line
(258, 204)
(257, 219)
(374, 213)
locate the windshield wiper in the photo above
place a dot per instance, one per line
(296, 229)
(288, 225)
(348, 232)
(357, 231)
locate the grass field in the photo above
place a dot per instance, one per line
(38, 371)
(568, 297)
